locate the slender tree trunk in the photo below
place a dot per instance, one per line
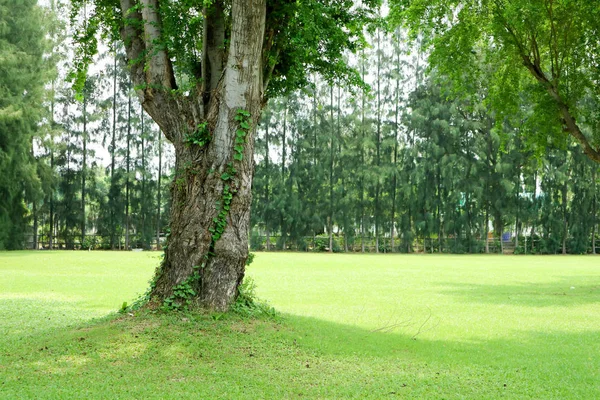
(565, 221)
(378, 142)
(35, 225)
(396, 141)
(330, 218)
(361, 185)
(486, 231)
(127, 166)
(594, 210)
(113, 144)
(267, 189)
(517, 218)
(143, 197)
(51, 222)
(159, 191)
(83, 167)
(282, 222)
(535, 218)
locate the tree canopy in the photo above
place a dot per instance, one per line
(555, 43)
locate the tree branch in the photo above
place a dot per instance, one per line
(134, 45)
(568, 119)
(213, 48)
(159, 71)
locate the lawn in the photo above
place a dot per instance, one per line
(351, 326)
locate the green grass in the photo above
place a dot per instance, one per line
(352, 326)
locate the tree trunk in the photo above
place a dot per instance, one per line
(158, 191)
(51, 222)
(282, 211)
(35, 225)
(83, 168)
(211, 194)
(113, 144)
(331, 159)
(127, 166)
(486, 231)
(594, 211)
(267, 175)
(143, 195)
(565, 220)
(378, 144)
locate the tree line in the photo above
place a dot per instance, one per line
(413, 162)
(412, 165)
(79, 170)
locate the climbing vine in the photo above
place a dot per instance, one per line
(228, 176)
(199, 137)
(182, 293)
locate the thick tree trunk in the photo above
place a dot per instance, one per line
(206, 176)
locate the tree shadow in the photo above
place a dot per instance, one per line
(565, 292)
(155, 356)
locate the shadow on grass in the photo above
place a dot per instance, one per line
(194, 356)
(568, 291)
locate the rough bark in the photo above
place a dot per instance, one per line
(198, 187)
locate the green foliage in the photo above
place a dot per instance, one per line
(200, 137)
(247, 304)
(515, 46)
(183, 293)
(301, 38)
(22, 78)
(228, 178)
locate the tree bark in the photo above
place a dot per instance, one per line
(331, 159)
(267, 175)
(594, 211)
(128, 170)
(206, 174)
(159, 191)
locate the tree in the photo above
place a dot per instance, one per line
(203, 71)
(556, 42)
(22, 78)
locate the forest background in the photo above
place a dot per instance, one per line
(411, 163)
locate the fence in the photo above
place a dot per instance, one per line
(508, 245)
(92, 242)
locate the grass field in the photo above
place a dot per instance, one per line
(351, 326)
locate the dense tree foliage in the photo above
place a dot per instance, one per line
(545, 50)
(450, 148)
(22, 78)
(449, 174)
